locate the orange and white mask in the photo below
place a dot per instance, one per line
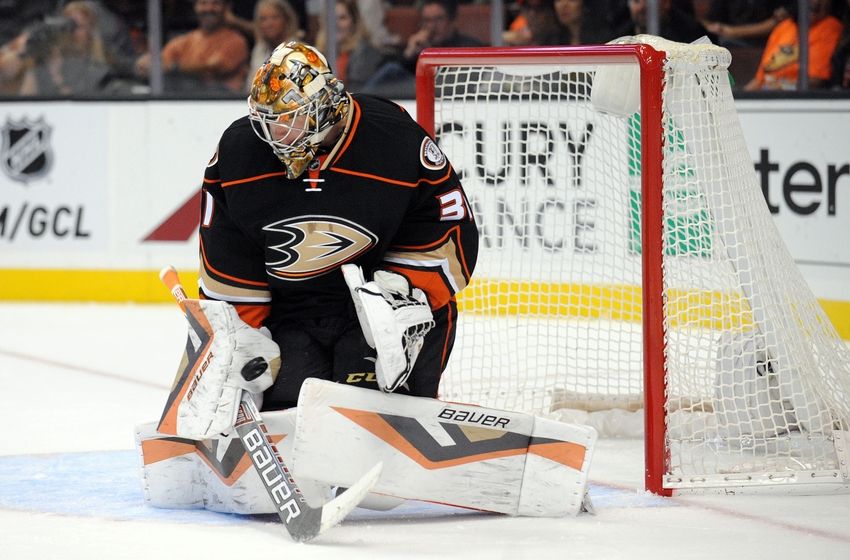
(295, 100)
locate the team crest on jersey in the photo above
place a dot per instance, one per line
(431, 156)
(26, 151)
(309, 246)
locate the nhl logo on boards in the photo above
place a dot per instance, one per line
(26, 153)
(431, 156)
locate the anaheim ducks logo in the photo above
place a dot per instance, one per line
(310, 246)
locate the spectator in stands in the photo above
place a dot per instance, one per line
(117, 42)
(212, 57)
(575, 22)
(357, 59)
(373, 14)
(676, 23)
(617, 14)
(17, 16)
(17, 21)
(540, 25)
(13, 64)
(544, 26)
(66, 57)
(275, 22)
(517, 31)
(841, 57)
(247, 25)
(743, 23)
(779, 66)
(438, 28)
(584, 24)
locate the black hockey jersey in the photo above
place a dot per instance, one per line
(385, 196)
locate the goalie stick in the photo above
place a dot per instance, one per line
(301, 521)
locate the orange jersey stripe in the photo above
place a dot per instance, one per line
(455, 231)
(430, 282)
(405, 184)
(252, 179)
(217, 272)
(449, 330)
(253, 315)
(353, 131)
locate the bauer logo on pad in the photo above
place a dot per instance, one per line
(473, 417)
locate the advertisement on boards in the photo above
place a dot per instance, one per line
(114, 185)
(53, 178)
(801, 155)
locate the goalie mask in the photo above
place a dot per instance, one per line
(295, 100)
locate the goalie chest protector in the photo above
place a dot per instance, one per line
(383, 184)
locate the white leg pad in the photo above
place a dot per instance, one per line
(547, 474)
(463, 455)
(214, 474)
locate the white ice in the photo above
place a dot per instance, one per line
(76, 378)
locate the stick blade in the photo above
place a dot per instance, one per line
(337, 509)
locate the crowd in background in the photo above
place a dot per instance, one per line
(98, 48)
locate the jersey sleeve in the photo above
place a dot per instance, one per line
(436, 246)
(232, 266)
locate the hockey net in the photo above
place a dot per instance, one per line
(628, 259)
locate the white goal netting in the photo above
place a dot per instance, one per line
(757, 380)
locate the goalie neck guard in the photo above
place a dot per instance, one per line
(295, 100)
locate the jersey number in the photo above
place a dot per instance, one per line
(452, 206)
(209, 204)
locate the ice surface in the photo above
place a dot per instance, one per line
(76, 378)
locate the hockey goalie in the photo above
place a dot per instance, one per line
(430, 450)
(334, 237)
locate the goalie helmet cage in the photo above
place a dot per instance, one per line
(628, 259)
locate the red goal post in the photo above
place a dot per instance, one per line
(651, 66)
(711, 320)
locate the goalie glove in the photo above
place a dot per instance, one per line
(224, 356)
(395, 319)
